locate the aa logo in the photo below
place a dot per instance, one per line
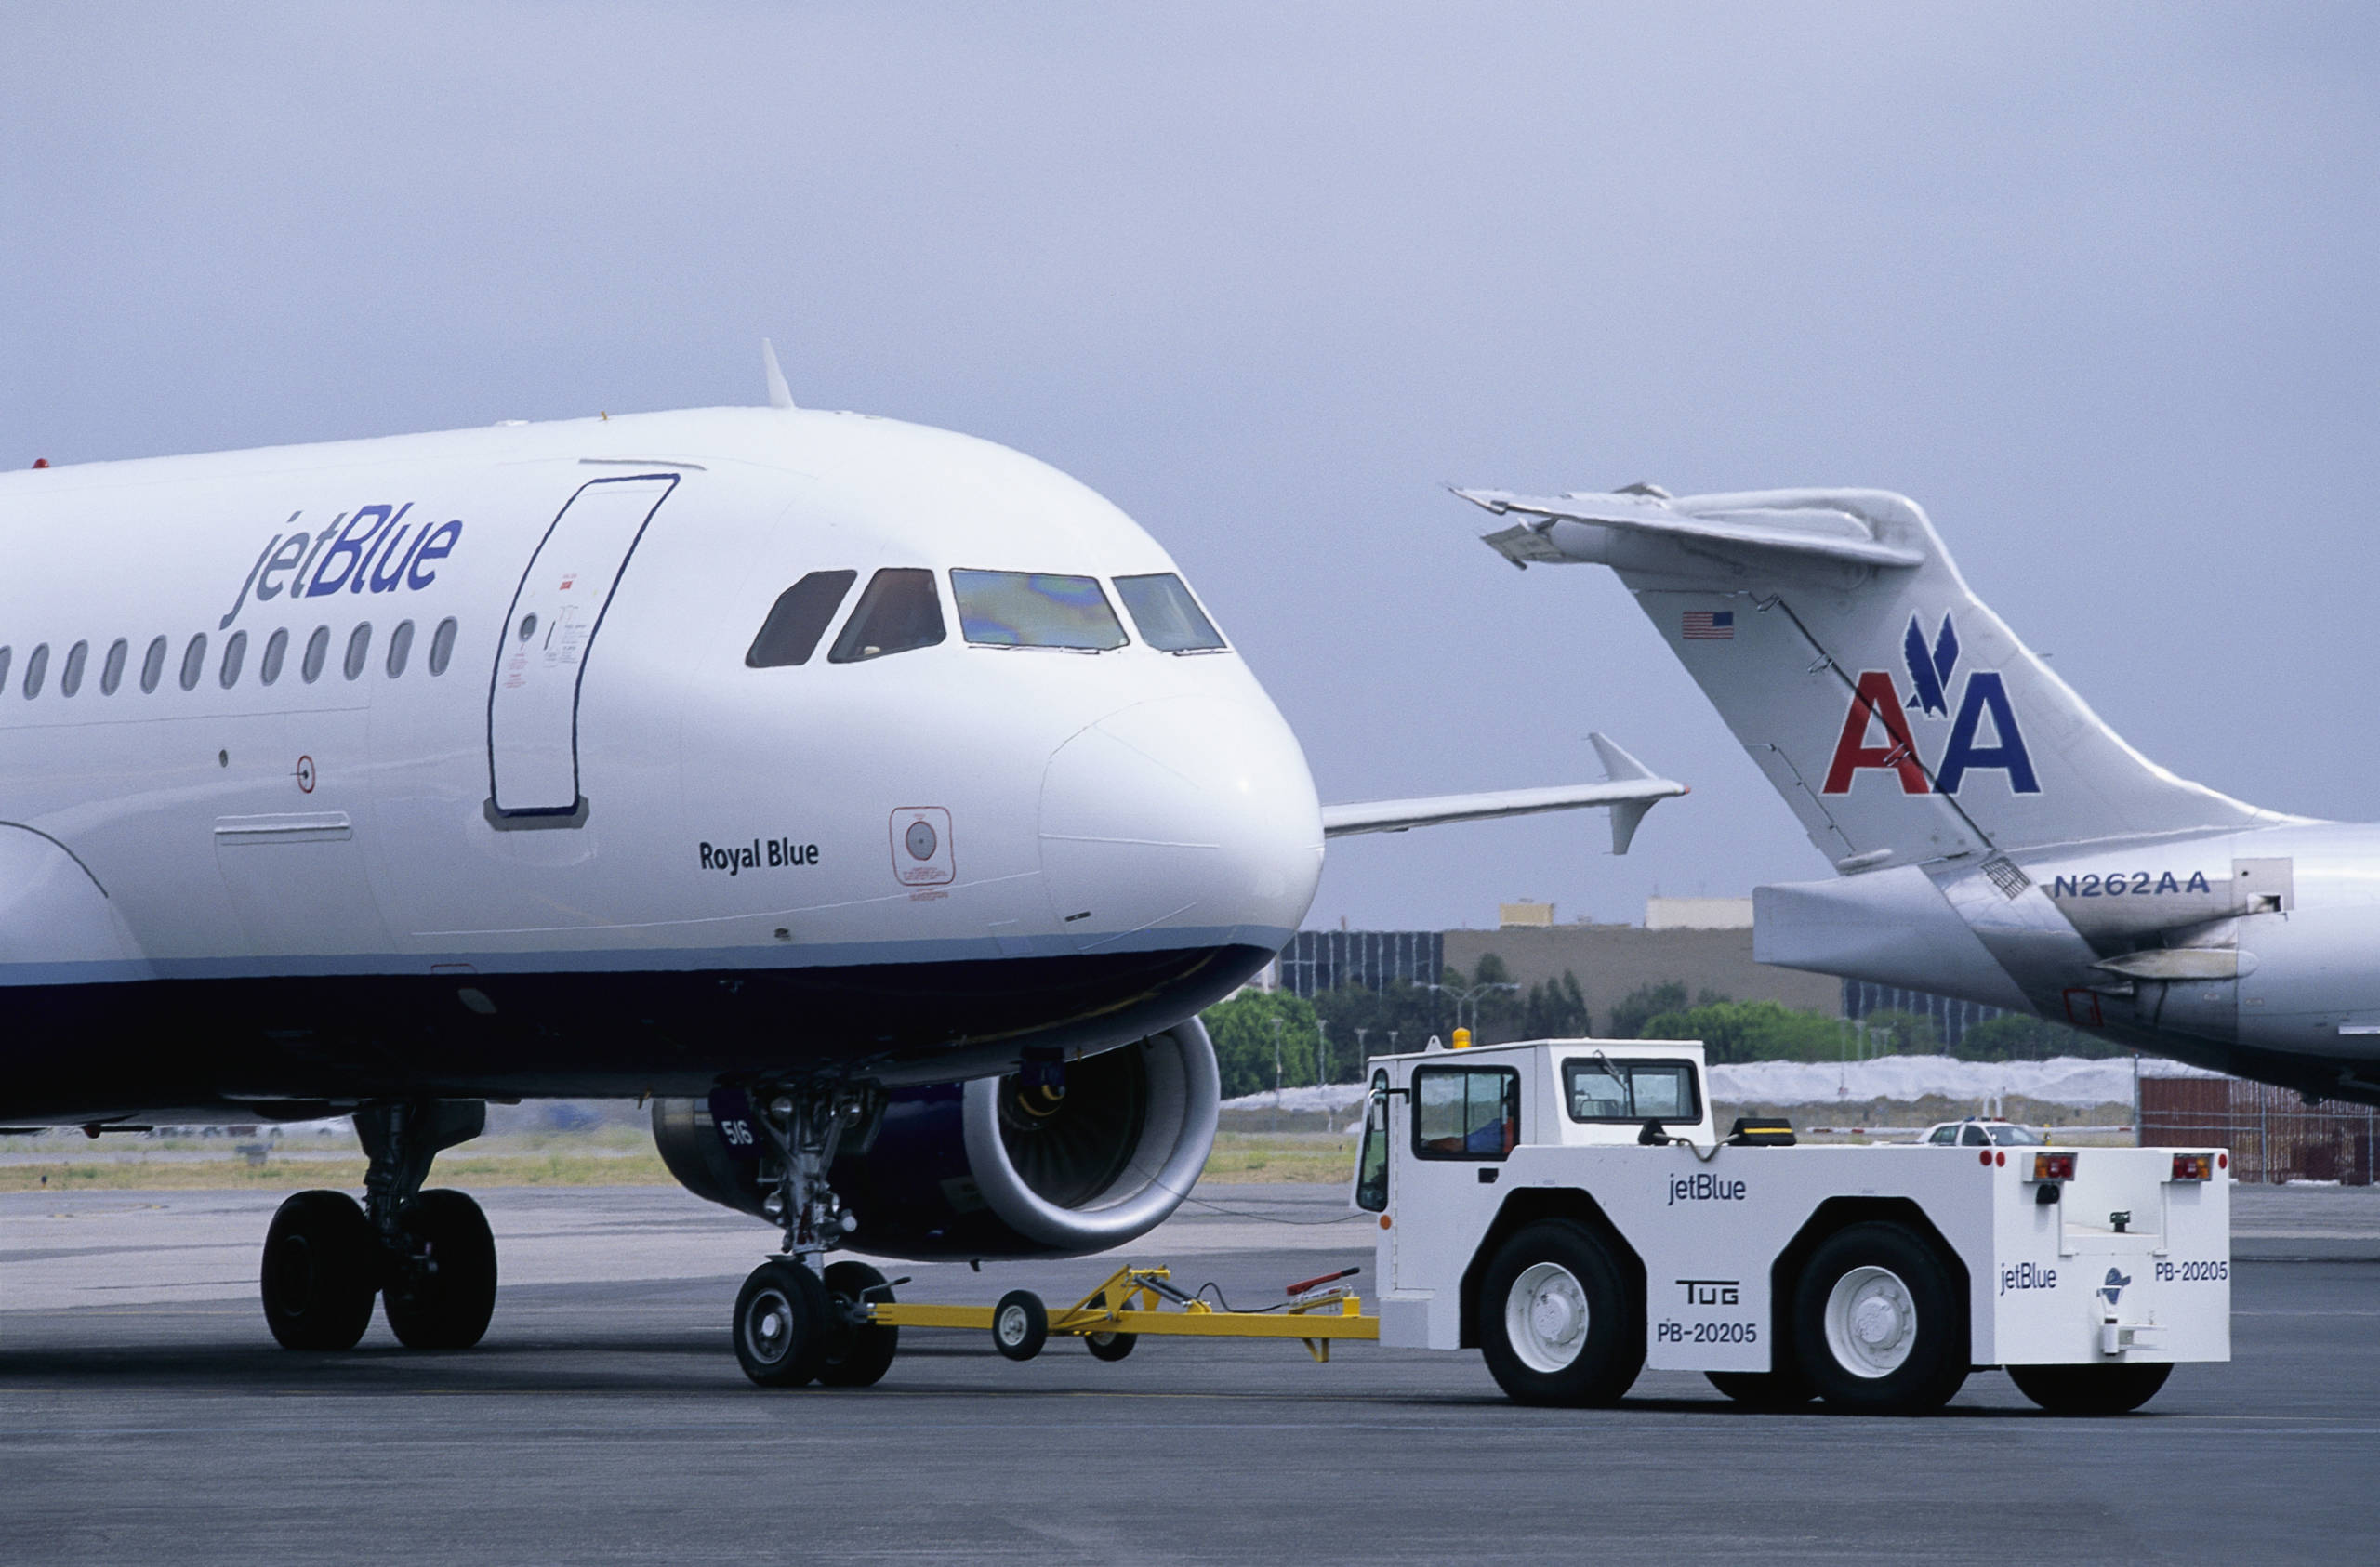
(1984, 733)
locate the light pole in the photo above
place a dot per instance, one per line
(1361, 1058)
(1276, 1061)
(1472, 994)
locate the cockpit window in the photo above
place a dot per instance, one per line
(1035, 610)
(797, 619)
(1169, 619)
(898, 610)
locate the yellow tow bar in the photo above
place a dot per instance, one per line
(1137, 1301)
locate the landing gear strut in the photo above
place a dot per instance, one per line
(428, 1256)
(792, 1326)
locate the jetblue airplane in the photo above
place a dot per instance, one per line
(1993, 838)
(880, 802)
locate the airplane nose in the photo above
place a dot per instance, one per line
(1191, 816)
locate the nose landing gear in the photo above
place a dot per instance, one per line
(428, 1256)
(791, 1326)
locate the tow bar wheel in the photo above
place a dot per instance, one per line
(1019, 1324)
(1558, 1324)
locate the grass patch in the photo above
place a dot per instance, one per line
(1245, 1158)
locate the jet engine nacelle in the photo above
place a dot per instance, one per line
(1055, 1164)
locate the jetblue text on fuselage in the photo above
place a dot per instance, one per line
(373, 548)
(1875, 700)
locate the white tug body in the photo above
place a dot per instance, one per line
(1522, 1214)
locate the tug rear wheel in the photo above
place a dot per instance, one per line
(322, 1267)
(781, 1315)
(1879, 1324)
(858, 1352)
(2090, 1390)
(1557, 1323)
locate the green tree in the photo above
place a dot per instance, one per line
(1245, 1039)
(1899, 1034)
(1555, 1009)
(1751, 1031)
(1630, 1012)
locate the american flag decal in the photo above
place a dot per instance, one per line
(1710, 625)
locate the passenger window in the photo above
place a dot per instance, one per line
(194, 662)
(1466, 1111)
(111, 672)
(318, 649)
(1371, 1164)
(797, 619)
(276, 648)
(400, 648)
(1971, 1136)
(442, 646)
(152, 665)
(359, 649)
(1602, 1089)
(69, 679)
(1035, 610)
(1944, 1135)
(235, 653)
(1169, 619)
(897, 613)
(36, 668)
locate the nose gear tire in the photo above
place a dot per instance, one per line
(1558, 1321)
(442, 1291)
(782, 1317)
(2090, 1390)
(857, 1354)
(322, 1267)
(1880, 1323)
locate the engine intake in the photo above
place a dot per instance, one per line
(1020, 1165)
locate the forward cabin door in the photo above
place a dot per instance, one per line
(533, 700)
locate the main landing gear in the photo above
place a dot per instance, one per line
(794, 1326)
(427, 1255)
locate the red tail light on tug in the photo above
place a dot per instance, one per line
(2193, 1166)
(2053, 1167)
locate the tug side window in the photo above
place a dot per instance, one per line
(1635, 1091)
(1465, 1112)
(1371, 1164)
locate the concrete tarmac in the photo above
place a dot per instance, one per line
(146, 1416)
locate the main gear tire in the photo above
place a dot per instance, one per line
(441, 1292)
(321, 1269)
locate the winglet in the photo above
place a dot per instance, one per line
(1621, 768)
(780, 395)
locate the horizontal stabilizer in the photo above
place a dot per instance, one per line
(1816, 530)
(1633, 791)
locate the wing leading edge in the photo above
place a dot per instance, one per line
(1633, 791)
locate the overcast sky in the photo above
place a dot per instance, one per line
(2100, 286)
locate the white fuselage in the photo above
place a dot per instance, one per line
(599, 852)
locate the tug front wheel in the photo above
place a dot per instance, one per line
(2090, 1390)
(1557, 1323)
(782, 1322)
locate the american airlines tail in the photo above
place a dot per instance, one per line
(1900, 718)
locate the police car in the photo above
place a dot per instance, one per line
(1977, 1131)
(1569, 1208)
